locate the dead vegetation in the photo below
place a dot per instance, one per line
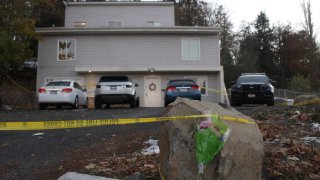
(18, 90)
(291, 142)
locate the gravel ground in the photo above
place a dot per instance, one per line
(25, 155)
(115, 151)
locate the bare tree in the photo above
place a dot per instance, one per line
(312, 53)
(307, 25)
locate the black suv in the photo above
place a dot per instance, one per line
(115, 90)
(252, 88)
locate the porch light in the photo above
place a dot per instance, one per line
(151, 69)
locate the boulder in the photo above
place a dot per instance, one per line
(79, 176)
(240, 158)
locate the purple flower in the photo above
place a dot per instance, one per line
(205, 124)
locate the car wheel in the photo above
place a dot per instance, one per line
(137, 102)
(132, 102)
(86, 105)
(235, 103)
(97, 103)
(270, 103)
(107, 106)
(76, 103)
(166, 103)
(42, 106)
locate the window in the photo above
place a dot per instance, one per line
(77, 79)
(153, 23)
(80, 24)
(66, 50)
(202, 82)
(114, 23)
(191, 49)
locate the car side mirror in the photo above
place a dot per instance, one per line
(163, 90)
(233, 82)
(272, 81)
(136, 85)
(85, 90)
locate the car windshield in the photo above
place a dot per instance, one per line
(114, 79)
(59, 83)
(253, 79)
(182, 83)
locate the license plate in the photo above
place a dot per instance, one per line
(53, 92)
(183, 90)
(251, 95)
(113, 87)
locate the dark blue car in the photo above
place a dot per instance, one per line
(184, 88)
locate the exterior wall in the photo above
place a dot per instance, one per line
(127, 51)
(129, 14)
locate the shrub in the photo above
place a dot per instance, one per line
(300, 83)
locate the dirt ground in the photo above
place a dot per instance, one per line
(291, 142)
(288, 153)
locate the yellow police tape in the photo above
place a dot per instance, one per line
(66, 124)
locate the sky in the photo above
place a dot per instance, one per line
(278, 11)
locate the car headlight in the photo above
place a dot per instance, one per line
(268, 87)
(237, 87)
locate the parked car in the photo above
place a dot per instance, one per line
(185, 88)
(30, 64)
(252, 88)
(59, 93)
(115, 90)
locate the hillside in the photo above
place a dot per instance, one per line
(18, 89)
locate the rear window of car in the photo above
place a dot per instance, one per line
(253, 79)
(181, 83)
(59, 83)
(114, 79)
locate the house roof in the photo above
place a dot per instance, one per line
(129, 30)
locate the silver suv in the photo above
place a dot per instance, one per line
(115, 90)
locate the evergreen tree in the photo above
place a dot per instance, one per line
(265, 45)
(191, 13)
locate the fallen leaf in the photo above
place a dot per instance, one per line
(150, 166)
(90, 166)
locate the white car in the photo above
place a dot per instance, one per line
(64, 92)
(115, 90)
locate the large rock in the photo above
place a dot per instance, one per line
(241, 157)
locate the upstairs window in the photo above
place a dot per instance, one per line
(114, 23)
(190, 49)
(66, 49)
(80, 24)
(153, 23)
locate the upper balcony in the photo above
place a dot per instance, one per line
(119, 14)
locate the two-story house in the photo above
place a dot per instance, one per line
(137, 39)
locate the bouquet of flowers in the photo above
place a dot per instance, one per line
(210, 138)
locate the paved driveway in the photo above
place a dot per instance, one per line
(25, 155)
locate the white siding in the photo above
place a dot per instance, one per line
(128, 15)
